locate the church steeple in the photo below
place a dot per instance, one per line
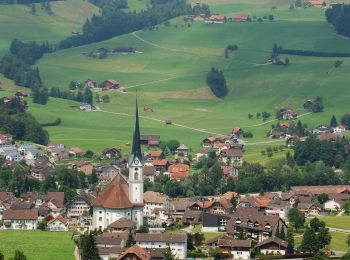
(136, 146)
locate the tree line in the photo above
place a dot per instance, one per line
(276, 50)
(85, 96)
(339, 17)
(25, 2)
(17, 65)
(113, 21)
(15, 121)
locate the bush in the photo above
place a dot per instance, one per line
(54, 123)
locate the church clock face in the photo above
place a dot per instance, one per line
(136, 161)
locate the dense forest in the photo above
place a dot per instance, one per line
(339, 17)
(11, 2)
(17, 65)
(121, 4)
(15, 121)
(113, 21)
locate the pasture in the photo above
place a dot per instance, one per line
(37, 245)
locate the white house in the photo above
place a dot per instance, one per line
(333, 205)
(155, 201)
(7, 149)
(58, 223)
(339, 129)
(272, 246)
(85, 107)
(14, 157)
(281, 209)
(26, 219)
(78, 206)
(237, 249)
(176, 242)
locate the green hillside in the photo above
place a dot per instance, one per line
(17, 21)
(169, 74)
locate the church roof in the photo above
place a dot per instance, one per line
(136, 146)
(115, 195)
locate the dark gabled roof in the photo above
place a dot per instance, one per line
(191, 216)
(137, 251)
(111, 239)
(161, 237)
(136, 146)
(275, 240)
(230, 242)
(20, 214)
(122, 223)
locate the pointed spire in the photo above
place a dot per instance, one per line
(136, 146)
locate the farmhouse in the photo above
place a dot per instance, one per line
(155, 200)
(241, 18)
(339, 129)
(287, 113)
(21, 94)
(154, 155)
(135, 252)
(237, 132)
(76, 151)
(232, 156)
(150, 140)
(25, 219)
(179, 171)
(217, 18)
(199, 17)
(79, 205)
(272, 246)
(110, 84)
(85, 107)
(122, 225)
(204, 152)
(317, 3)
(149, 172)
(160, 165)
(177, 242)
(235, 249)
(89, 83)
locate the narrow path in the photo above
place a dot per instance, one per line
(151, 82)
(266, 122)
(333, 229)
(162, 121)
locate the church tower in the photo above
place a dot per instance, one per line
(135, 164)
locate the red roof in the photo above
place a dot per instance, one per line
(157, 153)
(59, 218)
(137, 251)
(235, 130)
(217, 17)
(160, 162)
(20, 214)
(115, 195)
(76, 150)
(241, 17)
(179, 171)
(2, 137)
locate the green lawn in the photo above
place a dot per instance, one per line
(342, 222)
(37, 245)
(338, 242)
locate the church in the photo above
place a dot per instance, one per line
(123, 198)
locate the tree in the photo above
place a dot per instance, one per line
(333, 122)
(168, 255)
(346, 207)
(345, 120)
(217, 83)
(322, 198)
(298, 3)
(131, 241)
(142, 229)
(42, 225)
(348, 240)
(323, 237)
(190, 245)
(296, 218)
(316, 224)
(88, 97)
(234, 201)
(88, 248)
(290, 241)
(89, 154)
(346, 256)
(2, 256)
(172, 145)
(19, 255)
(309, 242)
(271, 18)
(282, 234)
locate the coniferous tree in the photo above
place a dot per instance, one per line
(290, 241)
(282, 234)
(88, 248)
(168, 255)
(309, 242)
(131, 241)
(19, 255)
(333, 122)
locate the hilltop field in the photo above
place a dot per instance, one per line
(169, 72)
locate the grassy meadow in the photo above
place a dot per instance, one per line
(169, 73)
(53, 245)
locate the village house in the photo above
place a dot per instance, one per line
(280, 209)
(135, 252)
(39, 168)
(287, 113)
(234, 248)
(272, 246)
(111, 245)
(254, 224)
(160, 165)
(83, 166)
(215, 206)
(214, 222)
(179, 171)
(58, 223)
(217, 18)
(24, 219)
(333, 204)
(237, 132)
(199, 17)
(6, 200)
(230, 171)
(13, 157)
(121, 225)
(178, 208)
(233, 157)
(241, 18)
(79, 206)
(76, 151)
(150, 140)
(111, 152)
(155, 200)
(154, 155)
(6, 139)
(21, 94)
(309, 208)
(191, 217)
(149, 172)
(7, 149)
(204, 153)
(59, 153)
(85, 107)
(316, 190)
(339, 129)
(106, 173)
(89, 83)
(317, 3)
(176, 242)
(110, 84)
(182, 150)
